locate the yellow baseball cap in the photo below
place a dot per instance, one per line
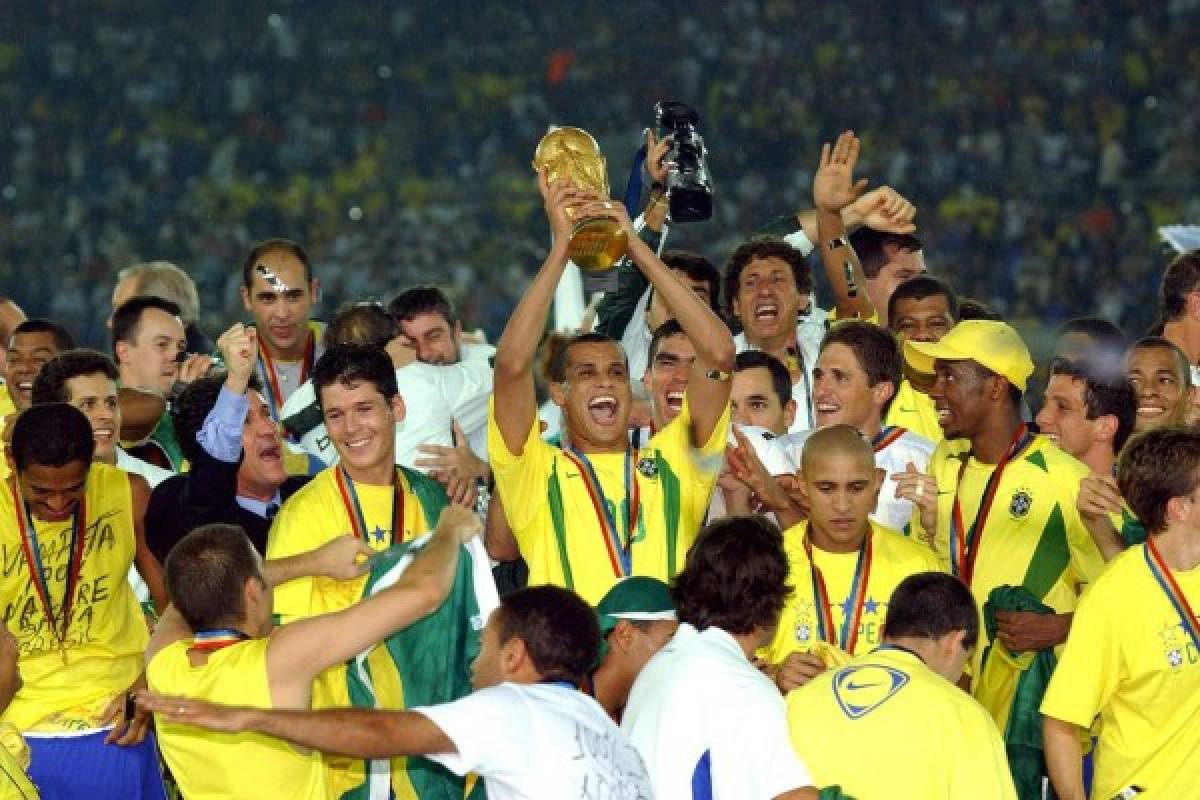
(994, 345)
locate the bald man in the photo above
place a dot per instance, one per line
(842, 566)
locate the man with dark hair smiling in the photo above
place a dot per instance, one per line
(526, 730)
(700, 714)
(1162, 379)
(1000, 503)
(1089, 411)
(906, 684)
(922, 309)
(1133, 657)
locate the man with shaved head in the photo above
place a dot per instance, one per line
(842, 566)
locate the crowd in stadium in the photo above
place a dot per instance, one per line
(884, 481)
(1038, 141)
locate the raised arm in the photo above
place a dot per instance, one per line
(302, 649)
(353, 732)
(515, 402)
(834, 189)
(708, 395)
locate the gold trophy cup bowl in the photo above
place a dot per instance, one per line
(572, 154)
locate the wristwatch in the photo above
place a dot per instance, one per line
(838, 242)
(718, 375)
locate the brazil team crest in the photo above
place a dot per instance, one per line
(648, 467)
(862, 689)
(1022, 501)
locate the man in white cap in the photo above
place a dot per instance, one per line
(637, 618)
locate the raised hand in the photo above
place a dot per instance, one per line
(656, 153)
(462, 523)
(833, 185)
(882, 209)
(239, 350)
(562, 201)
(342, 559)
(920, 489)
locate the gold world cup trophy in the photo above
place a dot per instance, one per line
(572, 154)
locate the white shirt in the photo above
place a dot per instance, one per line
(153, 474)
(809, 333)
(699, 710)
(435, 396)
(890, 511)
(539, 742)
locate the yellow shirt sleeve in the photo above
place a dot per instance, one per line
(521, 480)
(291, 534)
(1088, 670)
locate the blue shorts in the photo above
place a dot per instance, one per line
(74, 767)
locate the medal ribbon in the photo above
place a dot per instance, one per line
(268, 369)
(358, 522)
(858, 595)
(620, 553)
(964, 543)
(33, 559)
(1162, 574)
(210, 641)
(883, 440)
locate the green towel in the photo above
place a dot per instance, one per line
(1023, 732)
(833, 793)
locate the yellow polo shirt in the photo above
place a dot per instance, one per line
(558, 532)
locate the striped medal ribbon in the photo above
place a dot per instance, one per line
(1162, 574)
(884, 439)
(848, 637)
(271, 377)
(358, 522)
(965, 543)
(39, 576)
(620, 550)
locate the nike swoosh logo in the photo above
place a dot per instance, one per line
(852, 685)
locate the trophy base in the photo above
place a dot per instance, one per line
(597, 244)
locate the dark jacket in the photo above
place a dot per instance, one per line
(205, 495)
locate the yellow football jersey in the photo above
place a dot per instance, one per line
(924, 737)
(1033, 536)
(1130, 660)
(894, 558)
(555, 522)
(68, 689)
(310, 518)
(208, 764)
(914, 410)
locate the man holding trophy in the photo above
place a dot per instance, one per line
(596, 510)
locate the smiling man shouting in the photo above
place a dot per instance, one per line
(597, 509)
